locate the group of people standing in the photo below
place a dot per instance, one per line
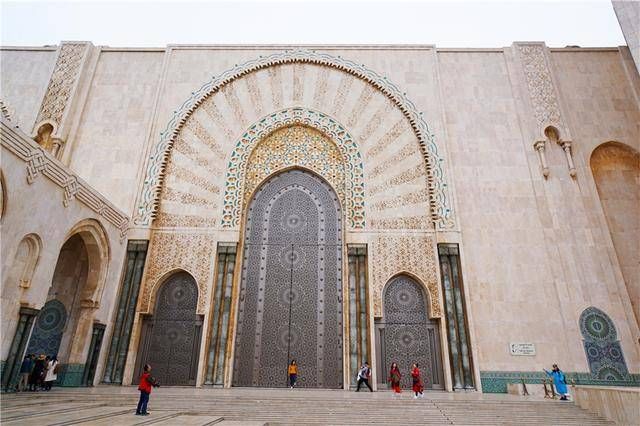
(416, 376)
(37, 372)
(364, 374)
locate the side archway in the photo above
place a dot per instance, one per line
(616, 172)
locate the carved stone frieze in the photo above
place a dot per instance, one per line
(63, 79)
(541, 90)
(171, 251)
(394, 254)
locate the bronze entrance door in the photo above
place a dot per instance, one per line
(290, 298)
(406, 335)
(170, 340)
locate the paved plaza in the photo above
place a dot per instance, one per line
(107, 405)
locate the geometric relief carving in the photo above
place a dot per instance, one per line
(601, 346)
(541, 89)
(412, 254)
(440, 206)
(65, 74)
(172, 251)
(315, 141)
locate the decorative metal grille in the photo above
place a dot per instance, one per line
(408, 335)
(290, 296)
(174, 332)
(47, 334)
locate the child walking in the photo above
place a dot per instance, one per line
(146, 382)
(293, 373)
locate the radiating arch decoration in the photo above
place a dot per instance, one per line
(440, 203)
(295, 137)
(601, 346)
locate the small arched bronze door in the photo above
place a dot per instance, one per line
(171, 337)
(406, 335)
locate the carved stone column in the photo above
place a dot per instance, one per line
(539, 146)
(566, 147)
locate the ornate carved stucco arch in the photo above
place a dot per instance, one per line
(156, 285)
(439, 201)
(236, 181)
(427, 292)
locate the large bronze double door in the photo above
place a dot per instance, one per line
(290, 297)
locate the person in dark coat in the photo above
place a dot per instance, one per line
(37, 375)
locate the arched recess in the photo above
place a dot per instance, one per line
(98, 250)
(24, 264)
(406, 334)
(439, 199)
(170, 338)
(616, 172)
(18, 279)
(602, 347)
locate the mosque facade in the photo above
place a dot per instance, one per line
(218, 211)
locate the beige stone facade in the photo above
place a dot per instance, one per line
(524, 156)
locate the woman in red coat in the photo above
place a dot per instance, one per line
(394, 377)
(417, 382)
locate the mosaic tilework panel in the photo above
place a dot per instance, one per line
(318, 135)
(601, 346)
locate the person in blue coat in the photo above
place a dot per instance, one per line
(559, 380)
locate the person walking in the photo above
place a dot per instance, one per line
(559, 380)
(363, 376)
(394, 378)
(25, 372)
(52, 373)
(146, 383)
(417, 382)
(293, 373)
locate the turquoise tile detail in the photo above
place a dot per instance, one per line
(70, 375)
(497, 381)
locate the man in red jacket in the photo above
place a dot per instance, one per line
(146, 382)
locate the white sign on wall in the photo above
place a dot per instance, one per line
(522, 349)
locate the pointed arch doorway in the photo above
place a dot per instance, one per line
(290, 303)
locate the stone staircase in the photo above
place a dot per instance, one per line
(114, 405)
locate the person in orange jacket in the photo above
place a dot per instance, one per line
(293, 373)
(146, 383)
